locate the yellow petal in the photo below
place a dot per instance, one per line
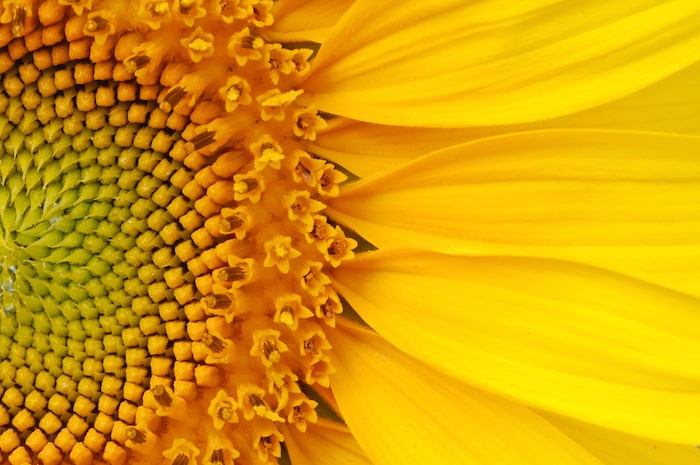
(614, 448)
(324, 443)
(567, 338)
(402, 411)
(629, 202)
(367, 148)
(671, 106)
(304, 20)
(456, 63)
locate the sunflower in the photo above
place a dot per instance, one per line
(352, 232)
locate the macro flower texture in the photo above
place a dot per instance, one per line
(349, 232)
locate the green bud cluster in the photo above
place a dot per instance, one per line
(83, 201)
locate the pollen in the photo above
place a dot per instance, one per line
(164, 290)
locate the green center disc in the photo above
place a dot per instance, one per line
(89, 259)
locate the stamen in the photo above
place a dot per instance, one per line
(217, 457)
(135, 435)
(248, 42)
(136, 62)
(181, 459)
(19, 20)
(235, 92)
(217, 301)
(245, 185)
(230, 224)
(320, 230)
(199, 45)
(304, 172)
(213, 342)
(222, 410)
(233, 273)
(202, 140)
(174, 96)
(337, 247)
(161, 396)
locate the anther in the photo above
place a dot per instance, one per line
(161, 396)
(233, 273)
(269, 348)
(229, 224)
(287, 315)
(136, 62)
(319, 230)
(135, 435)
(337, 247)
(157, 8)
(304, 173)
(217, 301)
(224, 410)
(174, 96)
(310, 346)
(199, 45)
(233, 93)
(212, 342)
(326, 309)
(217, 457)
(326, 180)
(298, 414)
(245, 185)
(248, 42)
(19, 20)
(181, 459)
(329, 180)
(224, 6)
(202, 140)
(95, 24)
(186, 5)
(256, 401)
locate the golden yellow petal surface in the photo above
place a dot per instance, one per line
(567, 338)
(451, 63)
(629, 202)
(672, 106)
(374, 376)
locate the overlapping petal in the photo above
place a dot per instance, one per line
(671, 106)
(629, 202)
(324, 443)
(402, 411)
(305, 20)
(456, 63)
(614, 448)
(568, 338)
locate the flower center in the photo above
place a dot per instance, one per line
(163, 295)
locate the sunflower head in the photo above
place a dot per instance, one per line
(163, 290)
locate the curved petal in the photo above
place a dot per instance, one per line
(304, 20)
(629, 202)
(614, 448)
(455, 63)
(670, 106)
(402, 411)
(324, 443)
(567, 338)
(366, 148)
